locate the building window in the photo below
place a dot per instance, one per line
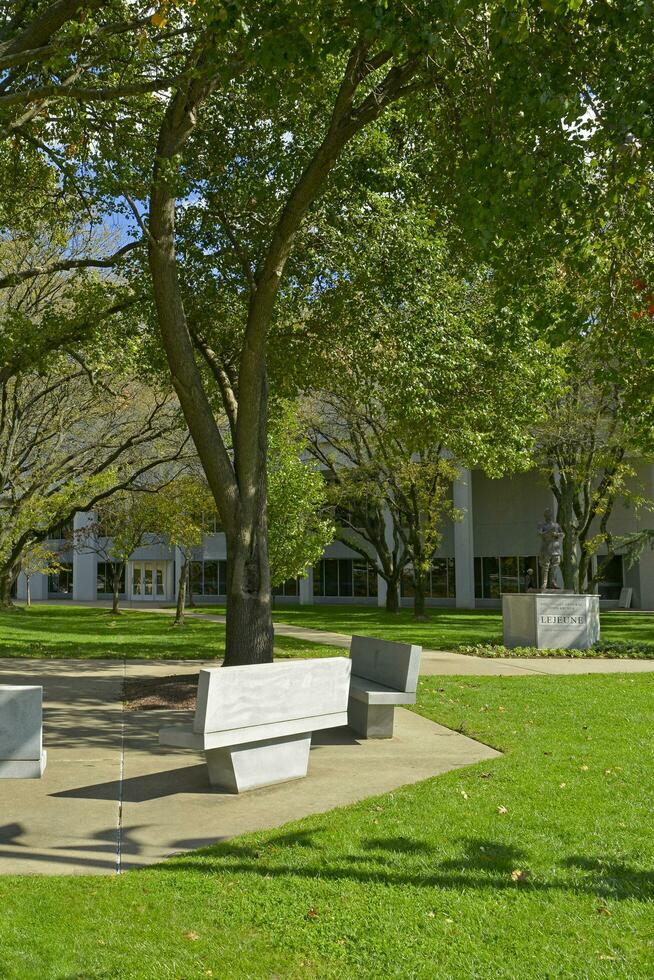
(209, 577)
(105, 579)
(61, 532)
(440, 582)
(345, 578)
(508, 573)
(61, 583)
(288, 588)
(612, 576)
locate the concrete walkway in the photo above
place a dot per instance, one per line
(437, 662)
(112, 799)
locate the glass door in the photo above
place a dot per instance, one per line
(148, 580)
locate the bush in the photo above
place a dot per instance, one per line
(620, 649)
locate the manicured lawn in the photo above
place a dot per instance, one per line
(446, 629)
(432, 881)
(94, 633)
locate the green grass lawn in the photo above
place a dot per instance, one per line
(446, 629)
(535, 865)
(94, 633)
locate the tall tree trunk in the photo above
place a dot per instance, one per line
(115, 572)
(181, 594)
(28, 589)
(393, 594)
(419, 607)
(566, 518)
(6, 582)
(584, 571)
(249, 633)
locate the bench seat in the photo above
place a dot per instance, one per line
(361, 689)
(184, 736)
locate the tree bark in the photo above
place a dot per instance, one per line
(249, 634)
(566, 518)
(419, 608)
(116, 591)
(181, 594)
(393, 595)
(28, 580)
(6, 581)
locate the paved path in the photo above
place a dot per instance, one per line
(437, 662)
(112, 799)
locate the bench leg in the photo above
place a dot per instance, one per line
(23, 768)
(237, 768)
(371, 720)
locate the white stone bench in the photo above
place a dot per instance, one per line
(254, 723)
(21, 732)
(384, 674)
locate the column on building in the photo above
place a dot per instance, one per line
(84, 564)
(464, 551)
(306, 588)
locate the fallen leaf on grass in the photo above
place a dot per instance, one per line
(431, 915)
(603, 910)
(312, 913)
(584, 768)
(464, 794)
(561, 785)
(502, 809)
(520, 875)
(192, 936)
(485, 775)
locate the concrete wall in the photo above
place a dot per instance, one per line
(506, 512)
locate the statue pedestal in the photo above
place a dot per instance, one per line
(549, 620)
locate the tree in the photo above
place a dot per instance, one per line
(180, 508)
(585, 448)
(598, 424)
(38, 560)
(285, 122)
(374, 473)
(299, 528)
(122, 522)
(413, 367)
(67, 441)
(593, 304)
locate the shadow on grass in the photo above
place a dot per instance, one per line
(483, 865)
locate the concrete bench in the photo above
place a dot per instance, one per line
(254, 723)
(384, 674)
(21, 732)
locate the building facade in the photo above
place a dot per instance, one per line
(486, 553)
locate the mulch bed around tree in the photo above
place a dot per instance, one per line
(177, 691)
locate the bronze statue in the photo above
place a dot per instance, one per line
(551, 552)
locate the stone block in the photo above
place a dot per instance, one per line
(21, 732)
(550, 620)
(371, 720)
(238, 768)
